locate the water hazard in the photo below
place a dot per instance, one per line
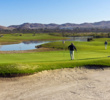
(27, 45)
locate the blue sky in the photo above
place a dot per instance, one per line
(15, 12)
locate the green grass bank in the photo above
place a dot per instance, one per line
(19, 37)
(91, 53)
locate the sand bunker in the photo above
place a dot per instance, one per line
(63, 84)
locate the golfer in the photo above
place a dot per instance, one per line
(72, 48)
(105, 44)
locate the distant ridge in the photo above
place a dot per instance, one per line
(101, 24)
(5, 28)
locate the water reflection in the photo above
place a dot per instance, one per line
(31, 42)
(26, 45)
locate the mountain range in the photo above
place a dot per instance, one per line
(101, 24)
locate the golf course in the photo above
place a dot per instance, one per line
(47, 73)
(53, 55)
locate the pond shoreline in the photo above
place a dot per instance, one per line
(40, 49)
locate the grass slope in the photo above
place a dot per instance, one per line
(89, 53)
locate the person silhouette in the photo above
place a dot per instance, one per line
(105, 44)
(72, 48)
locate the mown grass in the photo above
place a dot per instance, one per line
(88, 53)
(9, 38)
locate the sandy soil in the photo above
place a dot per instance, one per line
(62, 84)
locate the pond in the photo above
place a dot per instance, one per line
(27, 45)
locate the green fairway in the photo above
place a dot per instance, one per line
(14, 38)
(88, 53)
